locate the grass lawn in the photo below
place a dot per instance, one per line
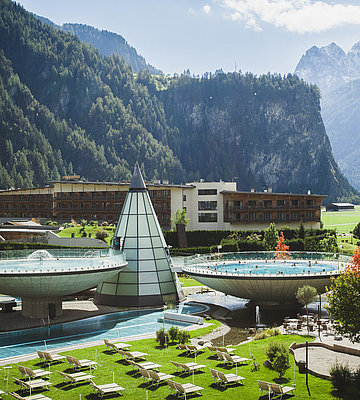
(342, 221)
(67, 232)
(188, 282)
(109, 363)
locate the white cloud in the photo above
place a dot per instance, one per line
(207, 9)
(301, 16)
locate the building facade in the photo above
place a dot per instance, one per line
(209, 205)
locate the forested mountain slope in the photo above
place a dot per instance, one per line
(107, 43)
(66, 108)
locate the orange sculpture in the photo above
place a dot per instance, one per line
(282, 250)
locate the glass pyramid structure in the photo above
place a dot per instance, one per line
(148, 279)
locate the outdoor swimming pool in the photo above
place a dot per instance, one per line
(108, 326)
(275, 267)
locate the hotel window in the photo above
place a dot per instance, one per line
(266, 216)
(184, 197)
(207, 205)
(267, 203)
(237, 203)
(252, 216)
(310, 215)
(207, 217)
(207, 192)
(280, 203)
(281, 216)
(294, 215)
(236, 217)
(295, 202)
(310, 202)
(252, 203)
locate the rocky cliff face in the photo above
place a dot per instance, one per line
(261, 132)
(338, 76)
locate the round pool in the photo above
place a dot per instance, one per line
(261, 277)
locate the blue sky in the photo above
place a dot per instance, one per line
(175, 35)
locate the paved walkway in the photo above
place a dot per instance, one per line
(322, 359)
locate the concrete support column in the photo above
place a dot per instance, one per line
(41, 307)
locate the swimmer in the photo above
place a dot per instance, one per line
(256, 266)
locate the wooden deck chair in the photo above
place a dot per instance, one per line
(279, 390)
(158, 377)
(36, 397)
(106, 388)
(75, 377)
(41, 356)
(192, 349)
(221, 357)
(171, 386)
(236, 359)
(264, 386)
(22, 371)
(212, 349)
(70, 361)
(109, 344)
(225, 379)
(53, 358)
(31, 385)
(84, 363)
(187, 388)
(145, 375)
(36, 373)
(214, 375)
(228, 350)
(177, 365)
(192, 367)
(133, 355)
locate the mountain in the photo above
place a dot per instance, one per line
(66, 108)
(107, 43)
(338, 76)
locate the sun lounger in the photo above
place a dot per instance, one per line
(116, 346)
(75, 377)
(171, 386)
(143, 365)
(106, 388)
(36, 373)
(158, 377)
(35, 384)
(52, 357)
(279, 390)
(41, 355)
(235, 359)
(227, 350)
(133, 355)
(84, 363)
(225, 379)
(34, 397)
(190, 367)
(1, 393)
(264, 386)
(192, 349)
(187, 388)
(212, 349)
(221, 356)
(179, 366)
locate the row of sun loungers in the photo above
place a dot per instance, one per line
(34, 397)
(225, 379)
(75, 377)
(116, 346)
(27, 372)
(49, 358)
(229, 359)
(183, 389)
(75, 363)
(35, 384)
(188, 367)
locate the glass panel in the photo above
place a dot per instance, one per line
(132, 226)
(153, 226)
(125, 209)
(128, 277)
(108, 288)
(162, 265)
(127, 290)
(131, 254)
(156, 241)
(145, 254)
(122, 226)
(165, 276)
(145, 242)
(143, 226)
(133, 206)
(152, 288)
(148, 277)
(146, 265)
(167, 287)
(159, 253)
(130, 243)
(147, 205)
(112, 279)
(141, 205)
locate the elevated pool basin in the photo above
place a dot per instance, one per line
(261, 277)
(42, 277)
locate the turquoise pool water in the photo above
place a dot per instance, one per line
(109, 326)
(275, 267)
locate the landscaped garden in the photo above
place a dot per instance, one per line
(112, 367)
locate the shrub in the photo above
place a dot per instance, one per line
(173, 333)
(183, 337)
(340, 376)
(162, 337)
(273, 348)
(101, 234)
(93, 223)
(281, 362)
(105, 223)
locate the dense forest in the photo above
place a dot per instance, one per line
(65, 108)
(107, 43)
